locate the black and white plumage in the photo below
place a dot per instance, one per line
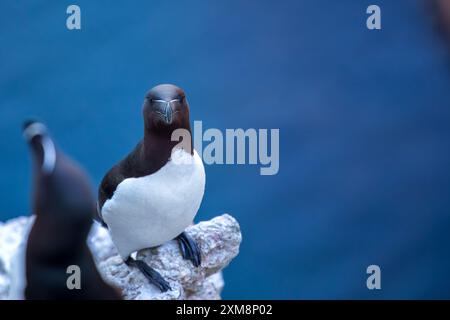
(154, 193)
(64, 207)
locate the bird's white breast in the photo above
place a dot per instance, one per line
(151, 210)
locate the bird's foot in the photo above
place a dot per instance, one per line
(151, 274)
(189, 249)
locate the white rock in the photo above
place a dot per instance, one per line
(219, 240)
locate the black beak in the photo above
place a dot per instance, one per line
(163, 109)
(32, 128)
(28, 123)
(41, 144)
(168, 114)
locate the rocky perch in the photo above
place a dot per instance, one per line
(218, 239)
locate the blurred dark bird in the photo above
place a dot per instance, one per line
(64, 209)
(154, 193)
(441, 10)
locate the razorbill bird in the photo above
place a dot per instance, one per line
(64, 206)
(154, 193)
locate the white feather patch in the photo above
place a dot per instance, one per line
(148, 211)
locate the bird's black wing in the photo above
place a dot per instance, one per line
(107, 188)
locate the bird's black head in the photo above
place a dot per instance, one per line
(166, 109)
(62, 189)
(42, 146)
